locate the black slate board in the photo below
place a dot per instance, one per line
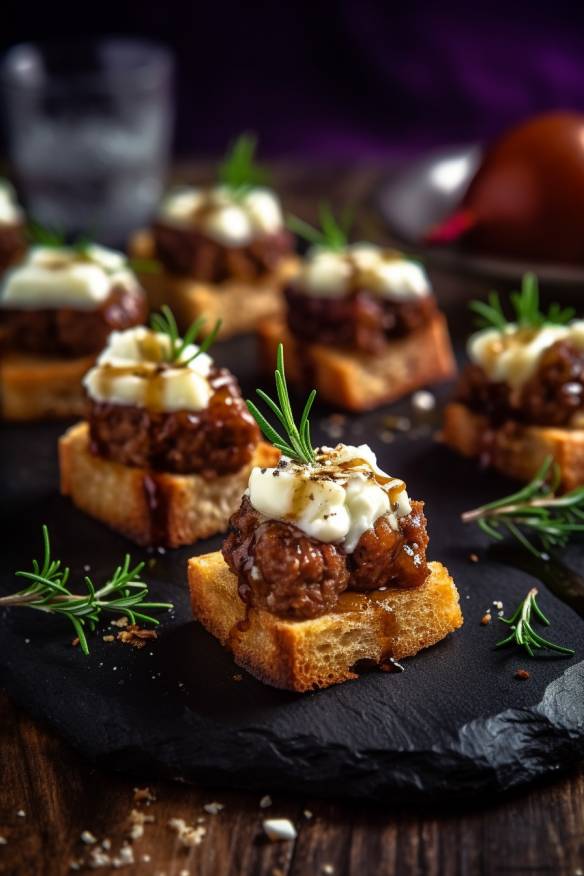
(456, 722)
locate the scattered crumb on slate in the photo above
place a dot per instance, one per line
(486, 618)
(307, 813)
(521, 674)
(109, 638)
(3, 841)
(88, 838)
(136, 636)
(473, 558)
(120, 622)
(21, 813)
(237, 677)
(213, 808)
(265, 802)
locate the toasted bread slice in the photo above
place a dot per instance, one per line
(307, 654)
(42, 388)
(151, 508)
(513, 449)
(359, 381)
(238, 305)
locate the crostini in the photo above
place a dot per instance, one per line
(223, 250)
(324, 566)
(57, 309)
(168, 444)
(361, 324)
(521, 397)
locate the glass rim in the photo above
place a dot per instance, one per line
(152, 63)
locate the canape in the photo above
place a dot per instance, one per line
(168, 444)
(12, 227)
(361, 324)
(324, 567)
(521, 397)
(57, 309)
(223, 251)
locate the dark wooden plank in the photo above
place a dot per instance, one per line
(538, 831)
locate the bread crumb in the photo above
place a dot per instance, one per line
(88, 838)
(237, 677)
(109, 638)
(120, 622)
(307, 814)
(486, 618)
(135, 636)
(521, 674)
(124, 858)
(99, 858)
(3, 841)
(328, 869)
(187, 834)
(136, 820)
(277, 829)
(75, 641)
(474, 558)
(422, 400)
(213, 808)
(265, 802)
(498, 604)
(146, 858)
(106, 844)
(142, 795)
(21, 813)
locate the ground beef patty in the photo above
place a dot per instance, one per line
(12, 244)
(218, 440)
(286, 572)
(188, 252)
(69, 332)
(360, 320)
(551, 397)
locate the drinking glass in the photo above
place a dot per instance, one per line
(89, 132)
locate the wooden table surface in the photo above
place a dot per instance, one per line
(49, 795)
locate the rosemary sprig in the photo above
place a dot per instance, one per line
(298, 445)
(123, 593)
(522, 632)
(534, 511)
(238, 170)
(332, 234)
(165, 324)
(526, 309)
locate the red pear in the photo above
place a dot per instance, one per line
(527, 198)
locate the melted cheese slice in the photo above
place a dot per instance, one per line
(335, 500)
(54, 277)
(512, 356)
(231, 221)
(132, 370)
(327, 273)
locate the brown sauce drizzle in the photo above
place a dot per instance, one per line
(158, 509)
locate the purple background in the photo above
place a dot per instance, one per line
(357, 78)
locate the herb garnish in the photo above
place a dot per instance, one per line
(526, 307)
(165, 324)
(333, 233)
(298, 446)
(522, 632)
(538, 509)
(238, 171)
(123, 593)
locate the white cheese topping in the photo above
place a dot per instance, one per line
(385, 272)
(10, 212)
(512, 355)
(232, 221)
(335, 500)
(132, 370)
(53, 277)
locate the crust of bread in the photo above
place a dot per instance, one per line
(41, 388)
(513, 449)
(360, 381)
(151, 508)
(238, 305)
(308, 654)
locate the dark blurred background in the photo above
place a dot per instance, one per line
(352, 79)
